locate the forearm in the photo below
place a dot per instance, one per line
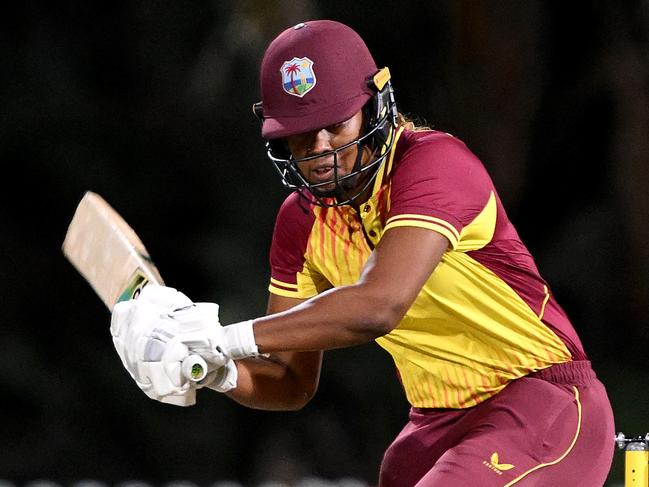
(272, 384)
(340, 317)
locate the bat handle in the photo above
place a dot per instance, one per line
(194, 368)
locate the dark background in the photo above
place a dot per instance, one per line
(148, 104)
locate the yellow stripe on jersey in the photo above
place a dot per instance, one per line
(283, 285)
(422, 221)
(304, 289)
(545, 300)
(283, 288)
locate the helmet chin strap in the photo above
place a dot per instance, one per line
(349, 184)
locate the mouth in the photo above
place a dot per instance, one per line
(323, 173)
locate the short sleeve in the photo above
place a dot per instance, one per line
(439, 184)
(291, 275)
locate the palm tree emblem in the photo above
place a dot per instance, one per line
(291, 70)
(298, 77)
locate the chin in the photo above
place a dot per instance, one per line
(328, 191)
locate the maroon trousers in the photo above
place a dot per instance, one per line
(550, 428)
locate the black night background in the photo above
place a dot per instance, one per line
(149, 104)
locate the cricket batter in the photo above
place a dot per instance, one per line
(393, 234)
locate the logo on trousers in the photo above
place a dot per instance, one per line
(495, 465)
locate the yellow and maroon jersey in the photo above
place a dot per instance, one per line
(484, 317)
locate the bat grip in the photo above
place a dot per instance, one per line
(194, 368)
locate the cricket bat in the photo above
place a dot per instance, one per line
(111, 257)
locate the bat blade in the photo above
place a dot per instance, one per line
(107, 252)
(111, 257)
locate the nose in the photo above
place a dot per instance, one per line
(320, 142)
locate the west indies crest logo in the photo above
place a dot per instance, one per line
(298, 77)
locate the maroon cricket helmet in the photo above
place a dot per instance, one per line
(313, 75)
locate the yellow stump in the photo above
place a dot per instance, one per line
(636, 463)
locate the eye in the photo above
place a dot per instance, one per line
(337, 127)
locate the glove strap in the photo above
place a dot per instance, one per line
(239, 340)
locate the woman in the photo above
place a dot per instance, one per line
(397, 235)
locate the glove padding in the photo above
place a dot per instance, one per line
(156, 332)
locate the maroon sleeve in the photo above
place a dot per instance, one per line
(436, 175)
(290, 238)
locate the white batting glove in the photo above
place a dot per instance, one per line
(130, 321)
(153, 336)
(234, 341)
(203, 335)
(135, 332)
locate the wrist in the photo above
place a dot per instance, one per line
(224, 378)
(239, 340)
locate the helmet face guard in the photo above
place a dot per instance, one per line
(379, 133)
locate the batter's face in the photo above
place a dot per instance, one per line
(321, 169)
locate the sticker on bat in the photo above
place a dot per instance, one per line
(135, 285)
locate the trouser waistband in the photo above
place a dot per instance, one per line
(575, 372)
